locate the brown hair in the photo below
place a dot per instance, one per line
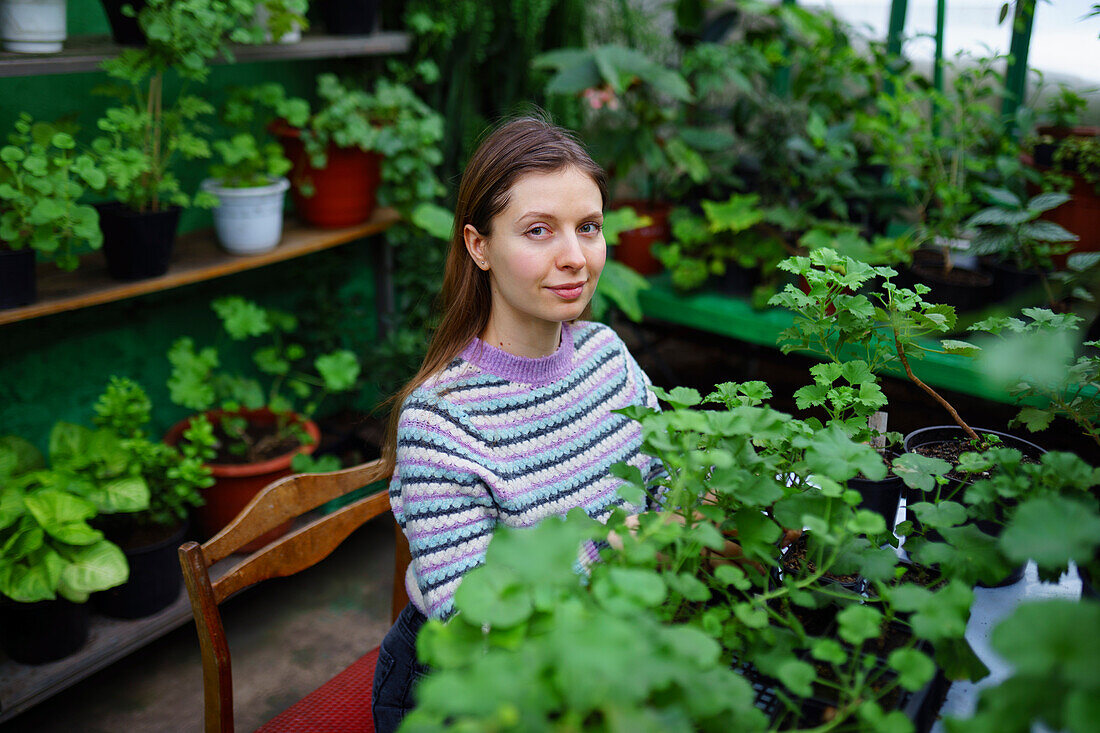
(515, 148)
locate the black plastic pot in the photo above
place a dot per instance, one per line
(349, 17)
(17, 277)
(880, 496)
(1008, 280)
(962, 288)
(949, 433)
(137, 245)
(125, 30)
(154, 584)
(737, 280)
(36, 633)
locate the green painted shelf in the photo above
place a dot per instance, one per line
(727, 315)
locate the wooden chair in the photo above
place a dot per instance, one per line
(342, 703)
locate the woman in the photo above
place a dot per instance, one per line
(509, 419)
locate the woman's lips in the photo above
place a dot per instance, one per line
(570, 291)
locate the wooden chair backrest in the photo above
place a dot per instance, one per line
(277, 503)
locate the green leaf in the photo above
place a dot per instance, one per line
(919, 472)
(679, 398)
(832, 453)
(1052, 531)
(339, 370)
(858, 623)
(241, 318)
(1051, 638)
(18, 456)
(797, 676)
(828, 650)
(644, 586)
(688, 586)
(942, 514)
(914, 668)
(91, 569)
(434, 219)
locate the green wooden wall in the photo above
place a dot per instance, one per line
(52, 368)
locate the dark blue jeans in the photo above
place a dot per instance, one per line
(397, 671)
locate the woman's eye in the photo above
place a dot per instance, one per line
(537, 231)
(591, 227)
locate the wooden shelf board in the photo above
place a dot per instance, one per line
(86, 53)
(197, 258)
(109, 640)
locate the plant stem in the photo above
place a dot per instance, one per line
(935, 395)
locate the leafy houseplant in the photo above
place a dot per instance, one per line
(635, 109)
(145, 135)
(353, 142)
(255, 431)
(1018, 241)
(42, 178)
(282, 20)
(1035, 358)
(174, 476)
(249, 183)
(718, 641)
(51, 559)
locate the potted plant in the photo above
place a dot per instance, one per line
(798, 653)
(1035, 359)
(350, 17)
(282, 21)
(174, 476)
(145, 135)
(635, 115)
(249, 183)
(32, 26)
(256, 430)
(1018, 245)
(51, 559)
(941, 148)
(42, 178)
(353, 142)
(1075, 169)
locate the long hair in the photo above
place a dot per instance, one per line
(514, 149)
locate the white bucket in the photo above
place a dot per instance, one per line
(248, 220)
(32, 26)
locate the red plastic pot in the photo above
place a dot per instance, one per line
(344, 191)
(633, 249)
(237, 484)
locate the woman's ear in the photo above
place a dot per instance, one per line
(477, 246)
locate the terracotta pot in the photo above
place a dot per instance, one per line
(344, 191)
(237, 484)
(633, 249)
(1080, 215)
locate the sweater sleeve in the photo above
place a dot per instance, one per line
(440, 501)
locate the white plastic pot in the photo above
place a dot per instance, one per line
(248, 220)
(32, 26)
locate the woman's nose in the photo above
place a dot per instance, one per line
(571, 255)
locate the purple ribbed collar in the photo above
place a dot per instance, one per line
(540, 371)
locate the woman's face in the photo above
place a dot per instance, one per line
(545, 253)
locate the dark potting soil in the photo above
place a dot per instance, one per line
(951, 450)
(794, 560)
(130, 533)
(265, 444)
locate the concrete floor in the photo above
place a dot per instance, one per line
(287, 637)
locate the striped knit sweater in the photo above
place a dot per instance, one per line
(496, 439)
